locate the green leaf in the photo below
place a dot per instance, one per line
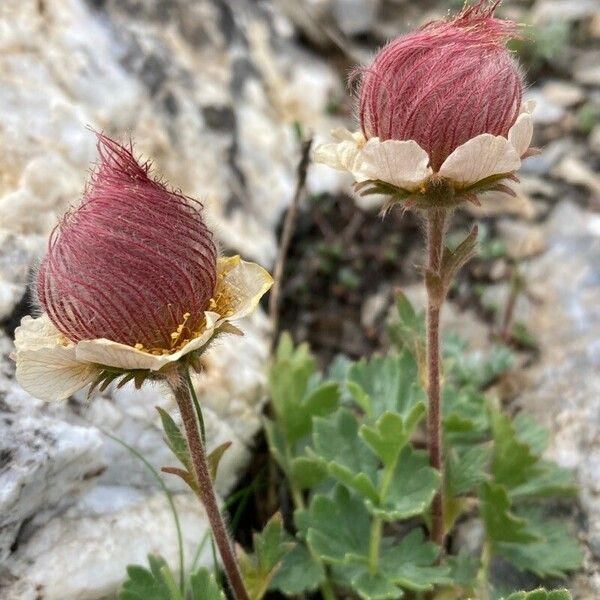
(545, 479)
(555, 553)
(541, 594)
(338, 526)
(463, 568)
(307, 472)
(277, 445)
(373, 586)
(204, 586)
(512, 458)
(501, 525)
(531, 432)
(387, 383)
(346, 455)
(411, 563)
(466, 468)
(409, 331)
(175, 439)
(475, 369)
(465, 415)
(297, 394)
(214, 458)
(369, 586)
(516, 465)
(153, 584)
(391, 433)
(299, 572)
(258, 569)
(411, 490)
(453, 260)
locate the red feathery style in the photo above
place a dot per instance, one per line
(134, 263)
(444, 84)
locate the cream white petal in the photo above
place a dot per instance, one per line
(242, 284)
(528, 106)
(521, 132)
(401, 163)
(342, 134)
(47, 366)
(483, 156)
(37, 333)
(113, 354)
(344, 155)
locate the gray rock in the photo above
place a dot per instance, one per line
(594, 140)
(43, 463)
(564, 389)
(546, 111)
(522, 240)
(563, 93)
(355, 16)
(542, 163)
(17, 253)
(587, 68)
(82, 553)
(558, 10)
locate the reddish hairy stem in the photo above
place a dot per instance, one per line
(436, 222)
(205, 484)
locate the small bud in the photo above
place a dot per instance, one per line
(134, 263)
(444, 84)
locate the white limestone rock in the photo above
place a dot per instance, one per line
(82, 553)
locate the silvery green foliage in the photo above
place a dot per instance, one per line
(347, 442)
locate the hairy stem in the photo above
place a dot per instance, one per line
(181, 390)
(436, 223)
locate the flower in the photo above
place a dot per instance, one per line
(131, 284)
(440, 105)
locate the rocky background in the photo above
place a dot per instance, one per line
(215, 92)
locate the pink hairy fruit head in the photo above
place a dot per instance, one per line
(134, 263)
(444, 84)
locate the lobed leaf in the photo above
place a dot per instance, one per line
(299, 572)
(411, 490)
(501, 524)
(338, 526)
(155, 583)
(391, 433)
(203, 586)
(387, 383)
(270, 547)
(347, 457)
(553, 554)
